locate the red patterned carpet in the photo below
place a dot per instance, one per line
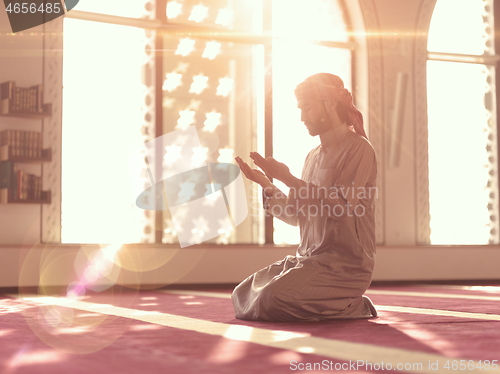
(421, 329)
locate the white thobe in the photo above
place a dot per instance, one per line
(333, 266)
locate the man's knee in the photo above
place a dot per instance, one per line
(271, 299)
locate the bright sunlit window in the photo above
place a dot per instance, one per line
(131, 8)
(462, 127)
(102, 120)
(209, 86)
(293, 61)
(459, 166)
(459, 27)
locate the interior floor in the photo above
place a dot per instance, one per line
(420, 328)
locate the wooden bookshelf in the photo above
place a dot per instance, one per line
(23, 147)
(5, 112)
(5, 198)
(6, 155)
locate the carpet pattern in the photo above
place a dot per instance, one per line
(422, 329)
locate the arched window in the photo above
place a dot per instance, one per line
(463, 165)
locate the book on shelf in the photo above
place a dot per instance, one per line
(18, 185)
(36, 94)
(6, 141)
(6, 90)
(7, 180)
(19, 143)
(20, 99)
(16, 101)
(6, 174)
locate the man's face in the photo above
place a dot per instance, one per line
(314, 115)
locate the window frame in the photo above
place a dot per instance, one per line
(161, 25)
(489, 60)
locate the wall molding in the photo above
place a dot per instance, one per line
(52, 129)
(376, 116)
(421, 121)
(394, 263)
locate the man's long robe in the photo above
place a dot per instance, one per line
(333, 266)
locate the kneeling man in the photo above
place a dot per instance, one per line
(333, 205)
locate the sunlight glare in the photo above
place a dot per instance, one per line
(231, 349)
(305, 350)
(464, 32)
(288, 129)
(173, 153)
(212, 49)
(133, 9)
(200, 83)
(73, 330)
(424, 336)
(115, 55)
(212, 121)
(280, 336)
(239, 332)
(186, 119)
(459, 180)
(172, 81)
(293, 61)
(224, 17)
(174, 9)
(26, 358)
(185, 47)
(200, 156)
(318, 20)
(489, 289)
(6, 332)
(199, 13)
(225, 86)
(226, 155)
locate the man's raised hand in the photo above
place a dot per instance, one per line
(271, 167)
(253, 174)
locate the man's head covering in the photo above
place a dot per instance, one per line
(325, 86)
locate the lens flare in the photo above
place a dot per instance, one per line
(59, 273)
